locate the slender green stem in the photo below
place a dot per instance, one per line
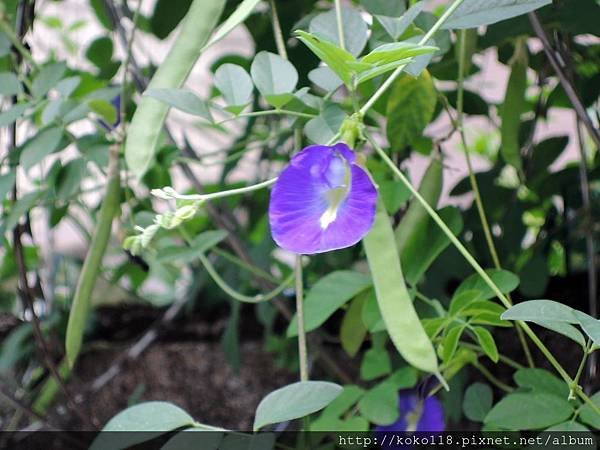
(278, 112)
(302, 350)
(505, 359)
(492, 379)
(484, 276)
(460, 125)
(16, 42)
(586, 353)
(243, 264)
(387, 83)
(473, 180)
(340, 24)
(170, 193)
(258, 298)
(279, 41)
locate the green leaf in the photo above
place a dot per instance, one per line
(9, 84)
(7, 181)
(590, 325)
(329, 294)
(540, 380)
(367, 74)
(380, 404)
(325, 78)
(166, 16)
(153, 418)
(505, 280)
(24, 204)
(388, 53)
(201, 243)
(427, 242)
(69, 178)
(528, 411)
(487, 343)
(355, 29)
(67, 86)
(416, 216)
(410, 108)
(353, 330)
(100, 51)
(477, 402)
(274, 77)
(395, 304)
(348, 398)
(146, 126)
(474, 13)
(563, 328)
(338, 59)
(194, 439)
(512, 108)
(40, 146)
(240, 14)
(370, 314)
(461, 300)
(235, 85)
(384, 7)
(183, 100)
(47, 78)
(568, 426)
(376, 363)
(104, 109)
(294, 401)
(396, 26)
(102, 14)
(9, 116)
(450, 343)
(325, 126)
(588, 415)
(262, 441)
(540, 310)
(5, 45)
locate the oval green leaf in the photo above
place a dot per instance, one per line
(294, 401)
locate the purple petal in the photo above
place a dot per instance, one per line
(427, 415)
(313, 209)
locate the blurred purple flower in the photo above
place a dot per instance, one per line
(417, 414)
(323, 200)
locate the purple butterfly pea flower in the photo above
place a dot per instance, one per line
(322, 201)
(417, 414)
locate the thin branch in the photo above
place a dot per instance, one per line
(560, 69)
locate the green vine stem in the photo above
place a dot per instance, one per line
(235, 294)
(302, 350)
(7, 30)
(168, 193)
(586, 352)
(279, 41)
(473, 181)
(219, 281)
(491, 378)
(484, 276)
(340, 24)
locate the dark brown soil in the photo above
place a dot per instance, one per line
(194, 376)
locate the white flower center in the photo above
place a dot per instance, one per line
(335, 196)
